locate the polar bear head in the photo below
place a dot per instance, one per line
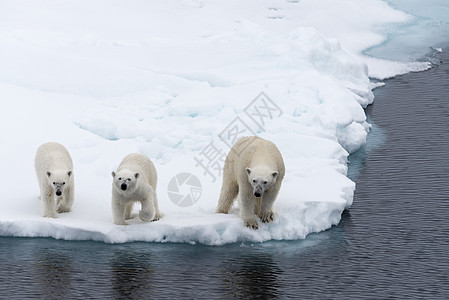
(59, 179)
(125, 180)
(261, 179)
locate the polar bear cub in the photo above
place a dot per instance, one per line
(135, 181)
(254, 170)
(54, 170)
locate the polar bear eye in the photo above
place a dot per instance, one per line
(63, 183)
(254, 180)
(265, 182)
(120, 178)
(54, 182)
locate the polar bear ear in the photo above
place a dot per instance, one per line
(248, 171)
(113, 174)
(137, 175)
(48, 174)
(275, 174)
(69, 173)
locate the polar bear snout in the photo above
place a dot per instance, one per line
(258, 191)
(59, 188)
(123, 183)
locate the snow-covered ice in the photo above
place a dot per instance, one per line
(171, 80)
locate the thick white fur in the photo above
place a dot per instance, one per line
(139, 174)
(252, 159)
(54, 170)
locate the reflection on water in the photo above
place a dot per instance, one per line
(50, 269)
(131, 274)
(53, 273)
(251, 275)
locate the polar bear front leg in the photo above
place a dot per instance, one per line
(229, 191)
(158, 214)
(266, 213)
(65, 202)
(48, 204)
(148, 212)
(118, 213)
(247, 203)
(129, 210)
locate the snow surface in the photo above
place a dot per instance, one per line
(166, 79)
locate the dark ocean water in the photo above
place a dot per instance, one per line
(393, 243)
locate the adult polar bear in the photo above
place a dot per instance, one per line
(254, 170)
(54, 170)
(135, 181)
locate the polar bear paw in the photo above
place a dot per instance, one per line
(267, 217)
(145, 216)
(50, 215)
(120, 222)
(157, 217)
(63, 209)
(251, 223)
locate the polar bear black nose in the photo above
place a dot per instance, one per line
(257, 194)
(123, 186)
(58, 193)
